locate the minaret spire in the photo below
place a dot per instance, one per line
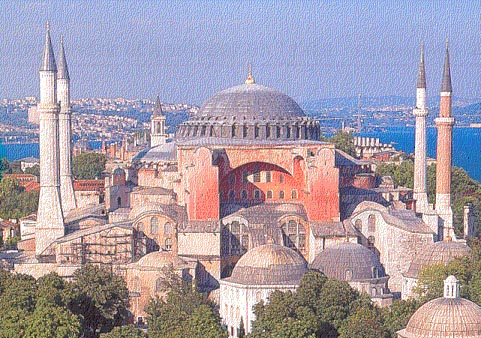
(446, 84)
(420, 163)
(158, 134)
(50, 223)
(62, 72)
(445, 123)
(422, 71)
(48, 61)
(67, 193)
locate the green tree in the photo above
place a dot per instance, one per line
(15, 202)
(182, 312)
(125, 331)
(4, 167)
(343, 141)
(102, 299)
(52, 321)
(366, 322)
(88, 166)
(396, 316)
(35, 170)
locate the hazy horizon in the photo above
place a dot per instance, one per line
(185, 51)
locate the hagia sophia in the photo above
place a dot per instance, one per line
(243, 201)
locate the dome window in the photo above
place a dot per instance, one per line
(168, 228)
(154, 225)
(268, 176)
(244, 194)
(168, 244)
(281, 194)
(269, 194)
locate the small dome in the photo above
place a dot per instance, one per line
(159, 259)
(269, 264)
(436, 253)
(445, 317)
(348, 261)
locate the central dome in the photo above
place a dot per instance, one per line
(251, 102)
(250, 112)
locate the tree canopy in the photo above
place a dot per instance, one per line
(183, 312)
(15, 202)
(88, 166)
(343, 141)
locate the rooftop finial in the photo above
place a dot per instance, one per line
(421, 72)
(250, 78)
(48, 26)
(446, 85)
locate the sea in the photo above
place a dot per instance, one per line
(466, 146)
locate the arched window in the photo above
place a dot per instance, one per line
(288, 132)
(278, 131)
(294, 236)
(119, 202)
(140, 227)
(268, 131)
(370, 242)
(231, 195)
(375, 272)
(257, 176)
(232, 179)
(281, 194)
(371, 223)
(281, 178)
(168, 244)
(348, 275)
(238, 238)
(294, 194)
(168, 230)
(358, 224)
(256, 131)
(244, 194)
(154, 225)
(257, 194)
(245, 176)
(233, 130)
(136, 286)
(269, 194)
(268, 176)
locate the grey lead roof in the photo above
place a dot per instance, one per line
(48, 61)
(62, 63)
(251, 101)
(446, 85)
(421, 72)
(158, 107)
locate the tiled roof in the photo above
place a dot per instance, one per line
(436, 253)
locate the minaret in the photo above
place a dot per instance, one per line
(420, 112)
(65, 133)
(445, 123)
(157, 126)
(50, 224)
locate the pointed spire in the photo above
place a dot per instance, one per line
(48, 61)
(446, 85)
(158, 107)
(421, 71)
(250, 78)
(62, 63)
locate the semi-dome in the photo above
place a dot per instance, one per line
(269, 264)
(445, 317)
(250, 111)
(159, 260)
(348, 261)
(436, 253)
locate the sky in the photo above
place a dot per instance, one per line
(185, 51)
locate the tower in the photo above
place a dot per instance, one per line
(420, 166)
(65, 133)
(444, 124)
(50, 224)
(157, 126)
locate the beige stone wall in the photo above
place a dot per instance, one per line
(84, 198)
(396, 247)
(203, 244)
